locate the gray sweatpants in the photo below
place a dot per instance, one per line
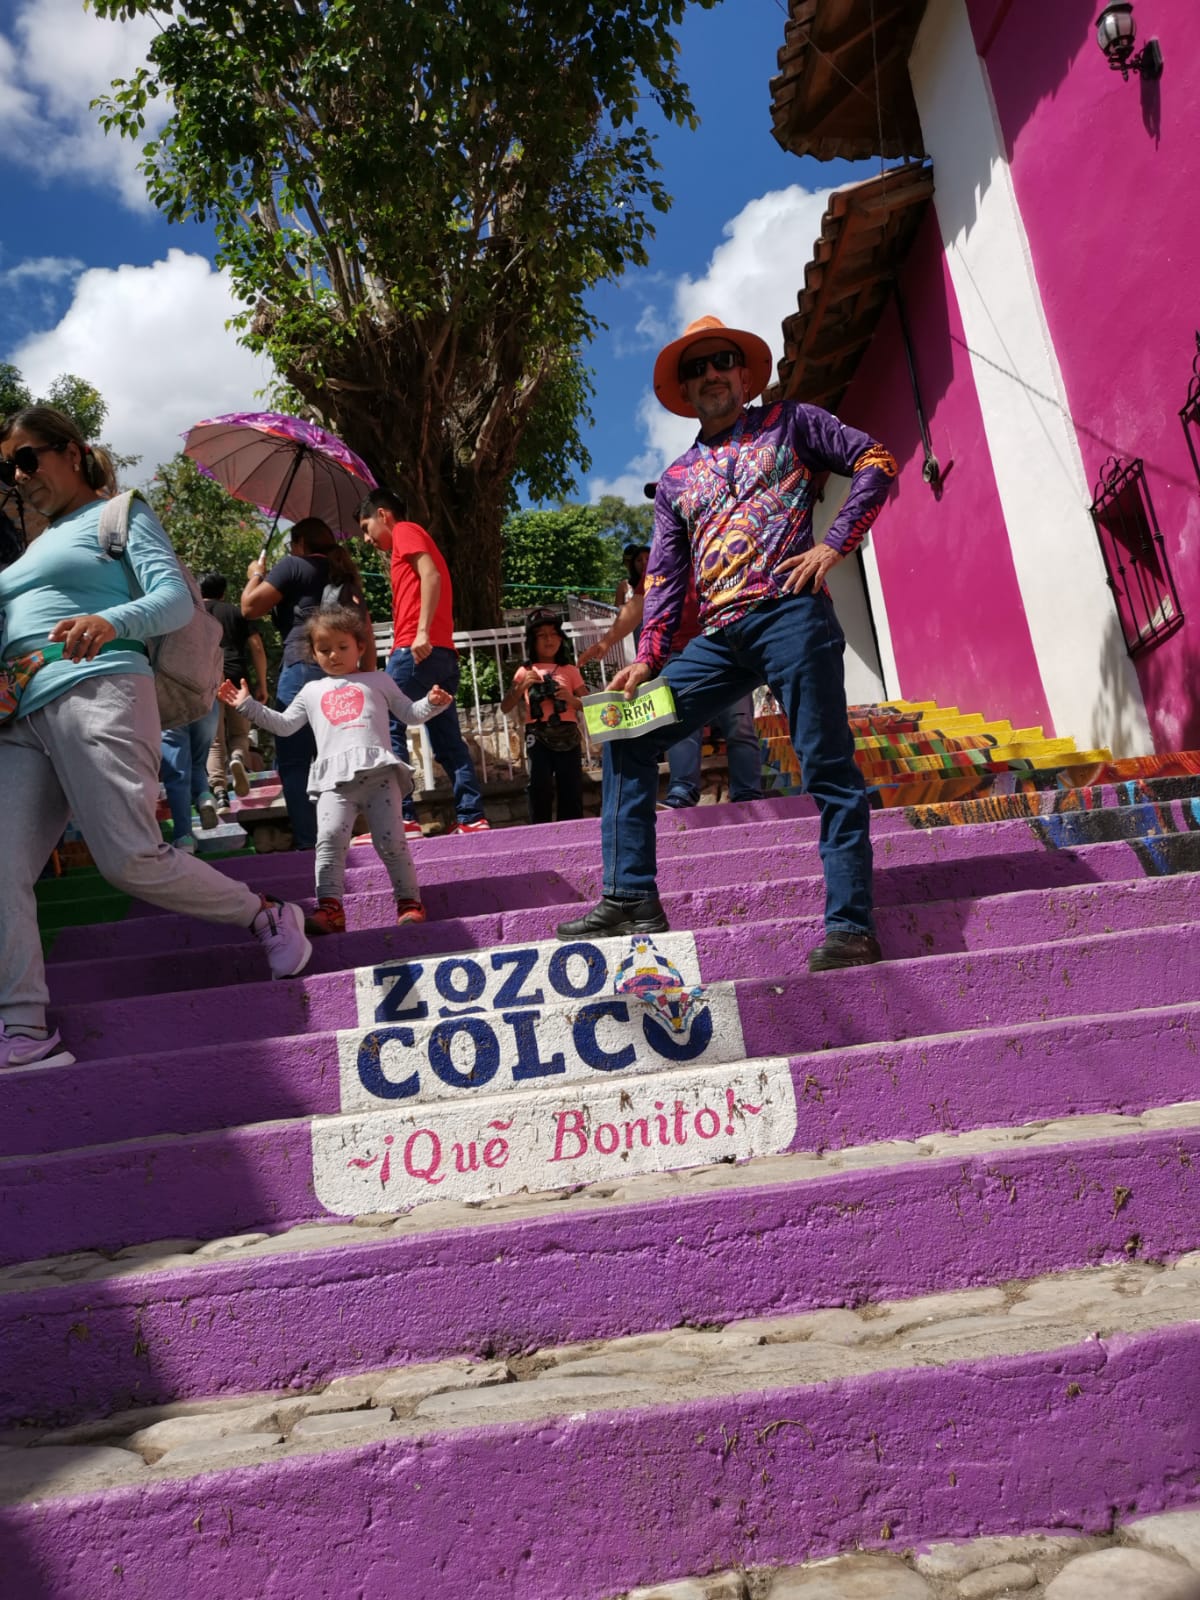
(93, 754)
(378, 796)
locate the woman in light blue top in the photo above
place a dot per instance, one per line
(85, 738)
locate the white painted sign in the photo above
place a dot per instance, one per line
(502, 1144)
(466, 1056)
(486, 1022)
(433, 987)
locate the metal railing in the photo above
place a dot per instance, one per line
(498, 737)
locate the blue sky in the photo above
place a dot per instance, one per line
(93, 281)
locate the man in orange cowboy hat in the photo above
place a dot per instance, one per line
(734, 515)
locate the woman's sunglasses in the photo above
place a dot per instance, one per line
(25, 459)
(722, 361)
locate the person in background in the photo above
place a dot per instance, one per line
(293, 589)
(551, 688)
(245, 657)
(423, 650)
(84, 740)
(184, 752)
(733, 525)
(355, 768)
(633, 559)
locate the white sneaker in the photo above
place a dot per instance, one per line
(238, 775)
(279, 928)
(16, 1050)
(206, 807)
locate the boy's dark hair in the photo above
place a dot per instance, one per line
(213, 585)
(545, 619)
(380, 500)
(339, 619)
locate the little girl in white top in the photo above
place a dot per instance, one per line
(355, 769)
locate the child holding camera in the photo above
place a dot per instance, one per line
(551, 688)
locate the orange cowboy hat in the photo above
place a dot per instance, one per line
(755, 352)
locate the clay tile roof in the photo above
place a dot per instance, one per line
(823, 102)
(866, 233)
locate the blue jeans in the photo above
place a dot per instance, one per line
(743, 754)
(415, 679)
(295, 754)
(183, 768)
(794, 644)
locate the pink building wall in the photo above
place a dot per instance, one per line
(954, 609)
(1106, 173)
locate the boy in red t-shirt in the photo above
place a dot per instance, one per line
(551, 687)
(423, 650)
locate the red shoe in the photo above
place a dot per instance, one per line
(409, 911)
(362, 838)
(480, 825)
(330, 917)
(413, 829)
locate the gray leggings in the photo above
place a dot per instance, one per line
(377, 795)
(93, 753)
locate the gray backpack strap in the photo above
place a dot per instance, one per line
(113, 532)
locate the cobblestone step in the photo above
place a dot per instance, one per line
(1142, 1558)
(706, 1244)
(795, 1433)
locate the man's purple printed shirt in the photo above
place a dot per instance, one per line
(727, 513)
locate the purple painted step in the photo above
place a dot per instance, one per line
(596, 1270)
(123, 1097)
(236, 1180)
(224, 956)
(894, 1000)
(512, 851)
(989, 1077)
(772, 1493)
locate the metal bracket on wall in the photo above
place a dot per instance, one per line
(932, 471)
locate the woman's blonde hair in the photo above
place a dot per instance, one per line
(52, 426)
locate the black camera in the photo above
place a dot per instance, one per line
(544, 689)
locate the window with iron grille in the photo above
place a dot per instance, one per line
(1134, 557)
(1190, 414)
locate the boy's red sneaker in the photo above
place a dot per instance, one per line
(413, 830)
(480, 825)
(409, 911)
(330, 917)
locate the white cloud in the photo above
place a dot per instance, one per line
(751, 282)
(41, 269)
(153, 341)
(55, 58)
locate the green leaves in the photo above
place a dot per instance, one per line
(412, 201)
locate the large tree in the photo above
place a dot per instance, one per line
(412, 200)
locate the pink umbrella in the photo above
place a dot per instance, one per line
(282, 465)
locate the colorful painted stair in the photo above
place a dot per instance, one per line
(915, 752)
(445, 1269)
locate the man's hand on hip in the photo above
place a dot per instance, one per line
(420, 646)
(808, 571)
(630, 679)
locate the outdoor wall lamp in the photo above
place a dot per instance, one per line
(1115, 34)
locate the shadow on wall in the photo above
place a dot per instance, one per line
(1113, 717)
(1061, 32)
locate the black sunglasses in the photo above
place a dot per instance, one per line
(26, 459)
(721, 361)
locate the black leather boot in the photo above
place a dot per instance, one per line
(608, 918)
(843, 949)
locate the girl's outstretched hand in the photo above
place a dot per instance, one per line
(232, 696)
(439, 698)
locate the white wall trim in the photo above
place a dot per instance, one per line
(1090, 683)
(870, 672)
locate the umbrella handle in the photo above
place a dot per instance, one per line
(283, 494)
